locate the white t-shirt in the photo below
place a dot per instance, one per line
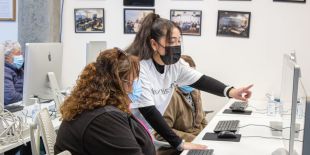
(157, 88)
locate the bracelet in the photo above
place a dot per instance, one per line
(227, 92)
(180, 147)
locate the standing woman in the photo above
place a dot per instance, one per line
(96, 116)
(158, 45)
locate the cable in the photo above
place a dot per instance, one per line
(13, 128)
(270, 138)
(26, 115)
(259, 112)
(274, 129)
(257, 109)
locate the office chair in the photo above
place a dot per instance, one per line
(43, 126)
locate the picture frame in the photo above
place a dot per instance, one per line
(233, 24)
(294, 1)
(7, 10)
(188, 20)
(133, 18)
(234, 0)
(89, 20)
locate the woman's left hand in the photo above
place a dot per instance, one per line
(242, 93)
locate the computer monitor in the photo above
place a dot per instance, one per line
(43, 65)
(288, 99)
(302, 133)
(1, 78)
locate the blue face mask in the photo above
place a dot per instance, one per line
(18, 61)
(136, 91)
(186, 89)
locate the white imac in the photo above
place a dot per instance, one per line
(288, 99)
(302, 133)
(43, 66)
(1, 78)
(93, 50)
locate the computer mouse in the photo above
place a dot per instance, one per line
(226, 134)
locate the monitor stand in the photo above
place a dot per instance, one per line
(276, 125)
(282, 151)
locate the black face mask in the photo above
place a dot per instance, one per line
(172, 55)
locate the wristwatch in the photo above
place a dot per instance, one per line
(180, 147)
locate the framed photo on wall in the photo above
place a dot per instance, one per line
(89, 20)
(188, 20)
(233, 24)
(133, 19)
(7, 10)
(297, 1)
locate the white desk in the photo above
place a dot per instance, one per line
(26, 134)
(247, 145)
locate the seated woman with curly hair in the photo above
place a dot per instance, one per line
(96, 116)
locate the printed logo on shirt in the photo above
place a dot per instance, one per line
(160, 91)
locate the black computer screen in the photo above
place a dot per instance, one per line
(138, 2)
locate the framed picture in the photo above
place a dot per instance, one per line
(297, 1)
(235, 0)
(233, 24)
(188, 20)
(7, 10)
(133, 19)
(89, 20)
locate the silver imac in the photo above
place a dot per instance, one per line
(302, 126)
(288, 99)
(40, 60)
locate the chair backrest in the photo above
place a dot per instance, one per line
(46, 130)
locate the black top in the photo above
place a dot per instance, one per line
(105, 130)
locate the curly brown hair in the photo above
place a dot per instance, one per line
(102, 83)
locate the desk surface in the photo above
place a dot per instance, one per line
(248, 145)
(26, 135)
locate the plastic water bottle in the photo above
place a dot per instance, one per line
(271, 108)
(35, 109)
(271, 105)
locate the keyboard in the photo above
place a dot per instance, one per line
(229, 125)
(200, 152)
(14, 108)
(238, 106)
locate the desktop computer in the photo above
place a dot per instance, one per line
(295, 112)
(43, 66)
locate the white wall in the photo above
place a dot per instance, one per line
(276, 28)
(9, 29)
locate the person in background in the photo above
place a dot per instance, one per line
(96, 115)
(158, 45)
(13, 72)
(184, 113)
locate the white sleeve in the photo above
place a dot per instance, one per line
(146, 98)
(187, 75)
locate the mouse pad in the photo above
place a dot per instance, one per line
(229, 111)
(213, 136)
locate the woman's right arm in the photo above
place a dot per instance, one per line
(158, 123)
